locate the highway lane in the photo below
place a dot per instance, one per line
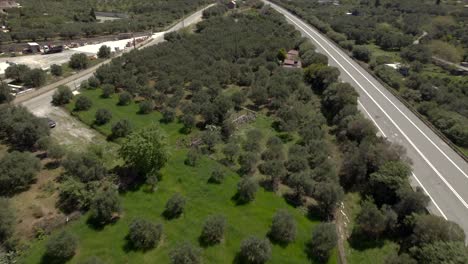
(439, 170)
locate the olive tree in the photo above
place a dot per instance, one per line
(102, 116)
(62, 96)
(144, 235)
(283, 227)
(61, 247)
(185, 253)
(175, 206)
(323, 240)
(17, 171)
(7, 220)
(105, 207)
(246, 190)
(255, 250)
(213, 229)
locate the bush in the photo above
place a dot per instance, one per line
(213, 229)
(362, 53)
(56, 70)
(174, 206)
(146, 107)
(93, 82)
(62, 96)
(217, 176)
(185, 253)
(322, 242)
(246, 190)
(61, 247)
(255, 251)
(121, 129)
(283, 227)
(7, 220)
(144, 235)
(169, 115)
(312, 57)
(389, 76)
(17, 171)
(107, 90)
(82, 103)
(125, 98)
(35, 78)
(192, 157)
(103, 116)
(104, 52)
(79, 61)
(84, 166)
(85, 85)
(105, 207)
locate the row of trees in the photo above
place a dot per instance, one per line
(69, 19)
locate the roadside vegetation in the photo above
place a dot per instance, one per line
(412, 36)
(68, 19)
(227, 157)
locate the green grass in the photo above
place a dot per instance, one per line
(129, 112)
(203, 199)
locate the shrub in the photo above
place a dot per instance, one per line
(125, 98)
(56, 70)
(169, 115)
(121, 129)
(255, 251)
(17, 171)
(217, 176)
(79, 61)
(82, 103)
(146, 107)
(105, 207)
(61, 247)
(103, 116)
(246, 190)
(362, 53)
(283, 227)
(185, 253)
(85, 85)
(62, 96)
(213, 229)
(144, 234)
(192, 157)
(104, 52)
(7, 220)
(35, 78)
(107, 90)
(174, 206)
(322, 242)
(93, 82)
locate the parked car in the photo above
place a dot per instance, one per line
(51, 123)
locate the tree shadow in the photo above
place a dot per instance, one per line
(46, 259)
(238, 259)
(205, 244)
(293, 200)
(360, 241)
(236, 199)
(129, 180)
(52, 165)
(315, 214)
(282, 244)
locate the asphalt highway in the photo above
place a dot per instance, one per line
(437, 168)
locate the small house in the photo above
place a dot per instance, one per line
(292, 60)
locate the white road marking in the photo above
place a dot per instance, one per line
(380, 107)
(373, 120)
(427, 193)
(388, 99)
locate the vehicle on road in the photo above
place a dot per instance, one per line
(51, 123)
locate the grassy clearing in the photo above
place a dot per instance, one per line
(203, 199)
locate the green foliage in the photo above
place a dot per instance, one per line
(442, 252)
(146, 107)
(323, 240)
(17, 171)
(213, 229)
(371, 221)
(62, 96)
(56, 70)
(217, 176)
(362, 53)
(107, 90)
(121, 128)
(283, 227)
(312, 57)
(144, 235)
(61, 247)
(281, 56)
(75, 195)
(125, 98)
(35, 78)
(104, 52)
(193, 155)
(103, 116)
(320, 76)
(216, 10)
(388, 75)
(255, 251)
(7, 220)
(175, 206)
(185, 253)
(82, 103)
(246, 190)
(79, 61)
(145, 149)
(429, 229)
(105, 207)
(328, 196)
(84, 166)
(5, 93)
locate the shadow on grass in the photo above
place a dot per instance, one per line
(238, 201)
(52, 165)
(315, 214)
(97, 225)
(205, 244)
(129, 180)
(276, 242)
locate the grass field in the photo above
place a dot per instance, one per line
(203, 199)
